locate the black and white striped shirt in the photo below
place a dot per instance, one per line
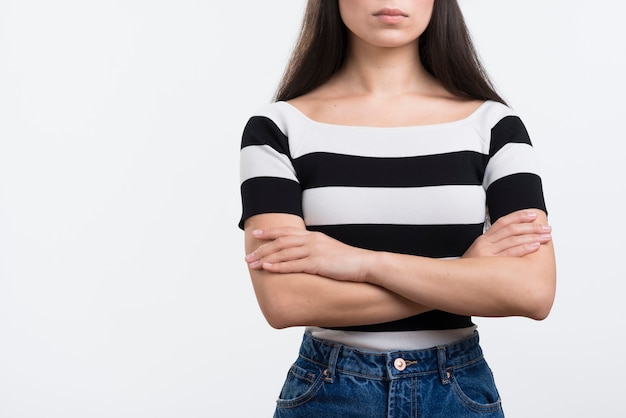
(425, 190)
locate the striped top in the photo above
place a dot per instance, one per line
(427, 190)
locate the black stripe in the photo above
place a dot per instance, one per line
(432, 320)
(263, 131)
(425, 240)
(515, 192)
(328, 169)
(509, 129)
(270, 195)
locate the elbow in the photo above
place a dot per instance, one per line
(275, 300)
(540, 312)
(276, 320)
(279, 315)
(540, 301)
(543, 288)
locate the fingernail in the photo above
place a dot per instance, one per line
(546, 228)
(545, 236)
(257, 232)
(531, 214)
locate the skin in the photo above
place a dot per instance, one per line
(307, 278)
(366, 22)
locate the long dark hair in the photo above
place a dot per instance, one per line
(445, 48)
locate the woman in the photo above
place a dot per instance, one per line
(366, 190)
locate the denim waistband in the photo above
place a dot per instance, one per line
(389, 365)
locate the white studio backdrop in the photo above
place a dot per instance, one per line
(123, 291)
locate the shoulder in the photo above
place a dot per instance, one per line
(490, 113)
(497, 122)
(275, 124)
(276, 115)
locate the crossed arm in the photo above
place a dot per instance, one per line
(307, 278)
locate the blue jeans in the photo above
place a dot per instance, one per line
(338, 381)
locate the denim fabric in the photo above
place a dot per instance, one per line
(338, 381)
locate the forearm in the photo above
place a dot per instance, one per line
(522, 285)
(486, 286)
(300, 299)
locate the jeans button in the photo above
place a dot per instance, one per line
(399, 364)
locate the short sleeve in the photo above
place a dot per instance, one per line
(512, 181)
(268, 179)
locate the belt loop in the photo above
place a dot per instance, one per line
(444, 375)
(329, 373)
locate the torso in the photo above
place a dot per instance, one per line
(391, 182)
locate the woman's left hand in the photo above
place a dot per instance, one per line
(514, 235)
(295, 250)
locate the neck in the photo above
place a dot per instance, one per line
(385, 71)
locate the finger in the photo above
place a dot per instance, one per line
(295, 266)
(274, 246)
(517, 229)
(521, 250)
(519, 216)
(274, 233)
(499, 228)
(288, 254)
(505, 246)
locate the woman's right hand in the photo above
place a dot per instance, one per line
(514, 235)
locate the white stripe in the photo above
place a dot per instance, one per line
(387, 142)
(512, 158)
(264, 161)
(491, 113)
(309, 136)
(439, 205)
(472, 134)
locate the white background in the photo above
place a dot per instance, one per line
(122, 287)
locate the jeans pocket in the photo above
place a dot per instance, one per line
(474, 387)
(301, 385)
